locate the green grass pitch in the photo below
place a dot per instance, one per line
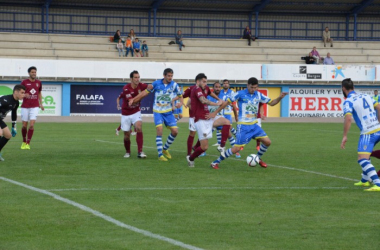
(305, 199)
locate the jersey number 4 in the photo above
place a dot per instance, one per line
(366, 105)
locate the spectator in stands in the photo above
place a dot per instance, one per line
(117, 37)
(128, 46)
(248, 35)
(328, 60)
(120, 48)
(326, 37)
(309, 59)
(144, 49)
(316, 55)
(178, 40)
(136, 47)
(376, 96)
(132, 35)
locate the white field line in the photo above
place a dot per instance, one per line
(194, 188)
(276, 166)
(103, 216)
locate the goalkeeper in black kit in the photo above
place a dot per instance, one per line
(9, 103)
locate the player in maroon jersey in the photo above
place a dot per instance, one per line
(131, 114)
(190, 138)
(30, 106)
(204, 120)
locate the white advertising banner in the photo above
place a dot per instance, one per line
(289, 72)
(122, 69)
(318, 102)
(51, 98)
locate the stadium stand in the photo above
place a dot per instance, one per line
(85, 47)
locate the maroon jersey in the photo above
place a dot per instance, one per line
(199, 109)
(129, 93)
(33, 89)
(186, 94)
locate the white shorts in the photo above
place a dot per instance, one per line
(204, 129)
(29, 114)
(128, 120)
(192, 124)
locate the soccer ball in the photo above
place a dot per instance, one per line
(252, 160)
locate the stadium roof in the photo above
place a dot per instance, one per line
(324, 7)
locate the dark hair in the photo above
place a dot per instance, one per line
(348, 84)
(136, 39)
(167, 71)
(18, 87)
(132, 73)
(225, 80)
(215, 83)
(31, 68)
(253, 81)
(200, 76)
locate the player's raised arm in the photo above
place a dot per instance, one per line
(140, 96)
(278, 99)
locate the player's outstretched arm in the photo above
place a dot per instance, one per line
(141, 95)
(278, 99)
(347, 125)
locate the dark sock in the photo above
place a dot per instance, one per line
(24, 131)
(225, 134)
(257, 143)
(30, 134)
(198, 144)
(198, 151)
(139, 140)
(376, 154)
(127, 145)
(3, 141)
(119, 128)
(190, 141)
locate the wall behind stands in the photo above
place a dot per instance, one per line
(98, 22)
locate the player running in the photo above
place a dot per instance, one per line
(366, 113)
(9, 103)
(30, 105)
(190, 138)
(131, 114)
(162, 110)
(204, 120)
(248, 102)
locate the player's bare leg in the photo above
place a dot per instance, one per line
(6, 136)
(139, 139)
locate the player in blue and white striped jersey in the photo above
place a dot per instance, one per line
(363, 109)
(163, 89)
(248, 102)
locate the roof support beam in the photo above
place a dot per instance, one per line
(261, 6)
(156, 4)
(364, 4)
